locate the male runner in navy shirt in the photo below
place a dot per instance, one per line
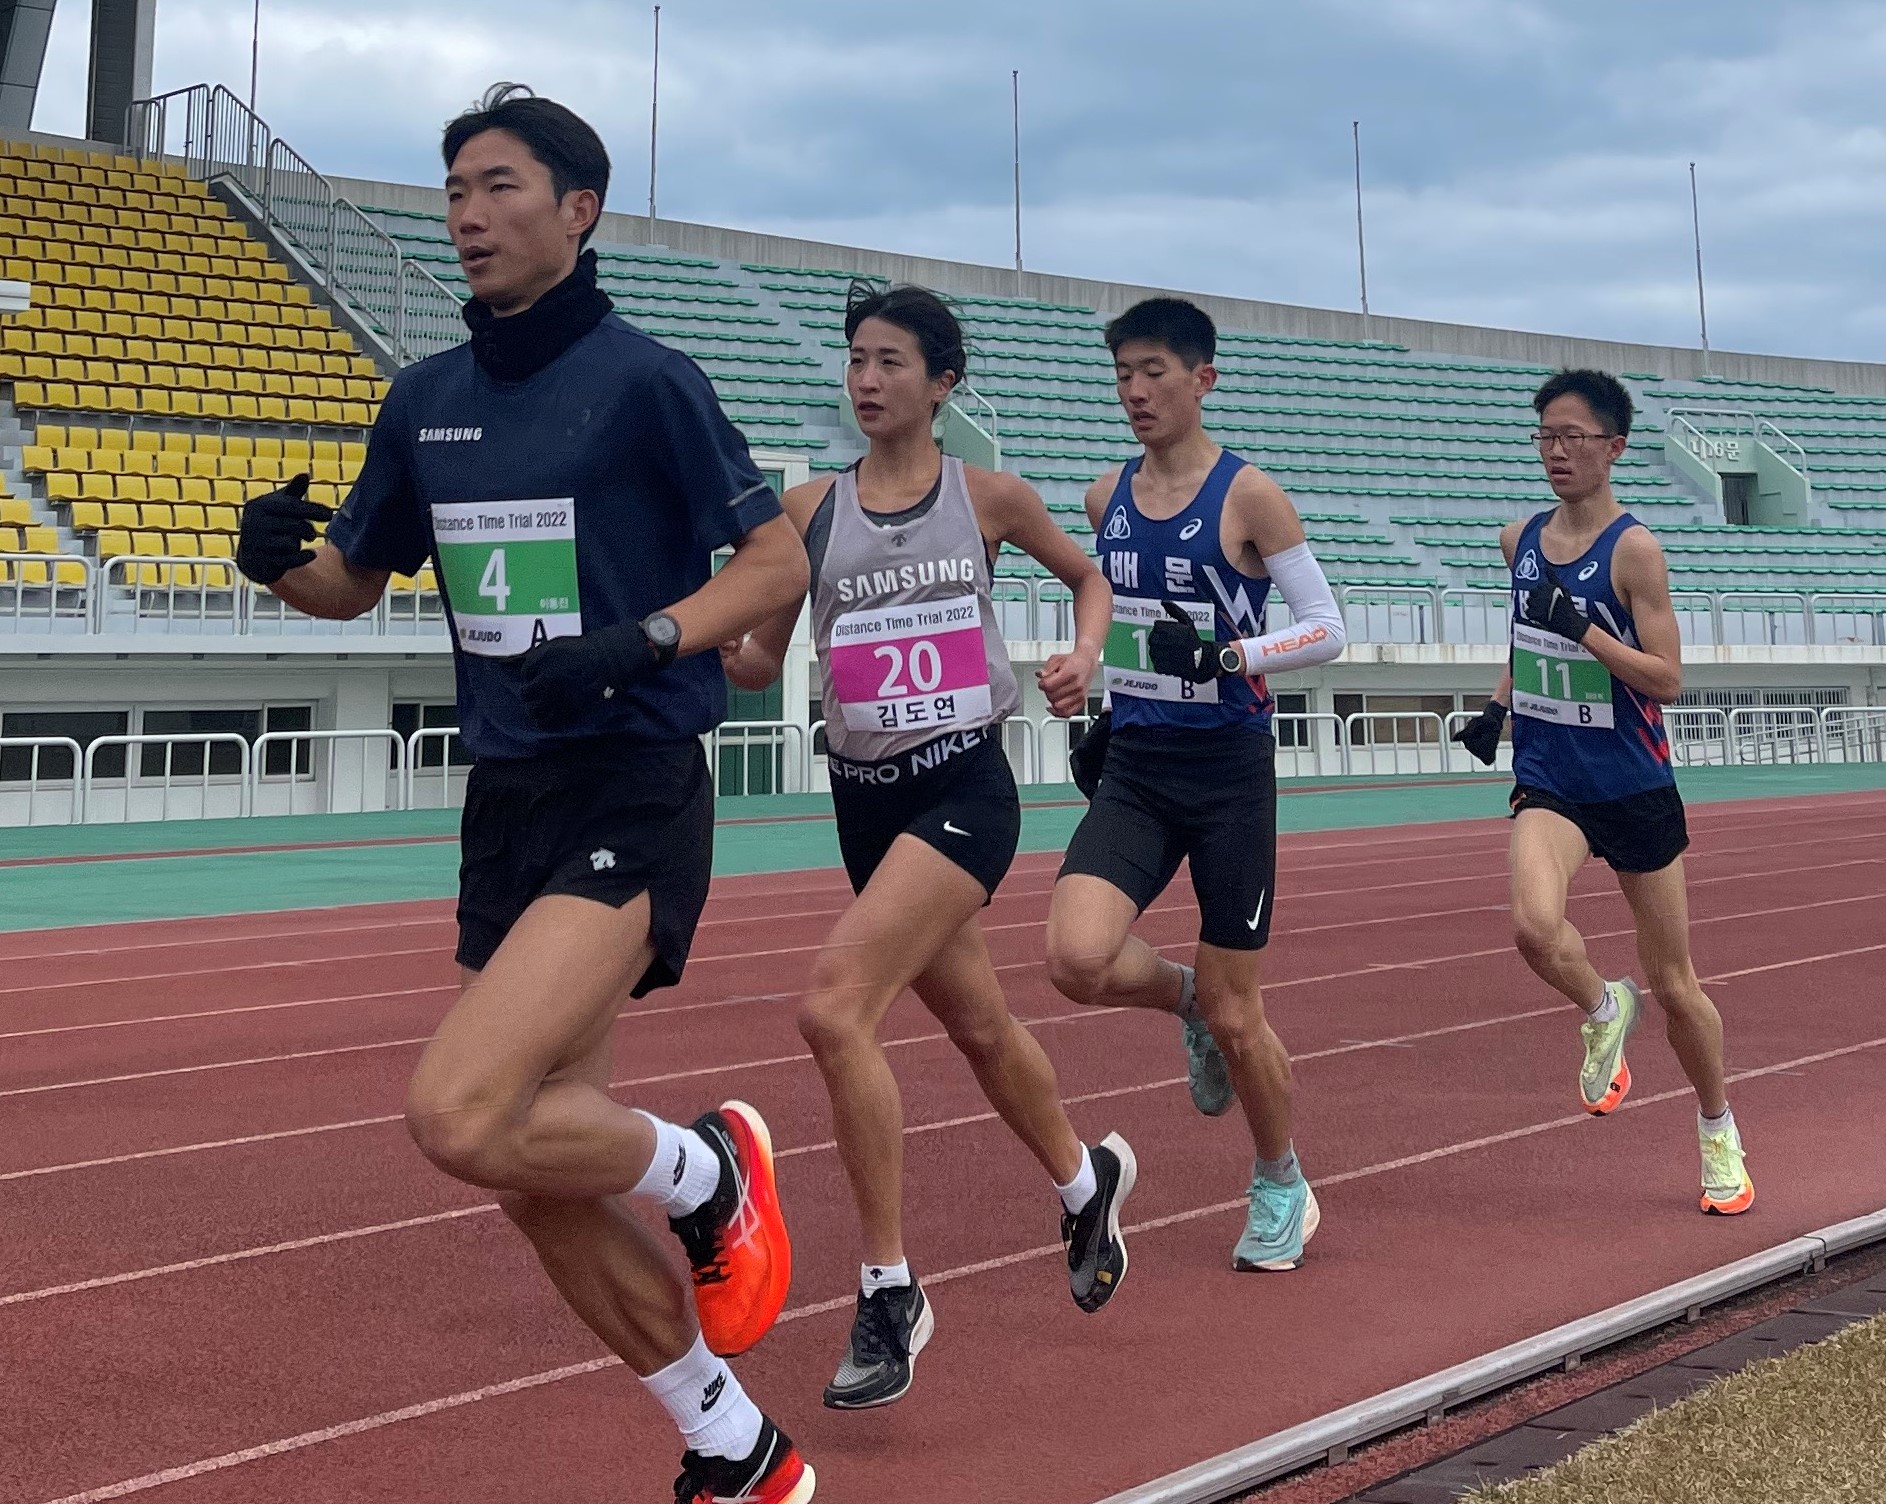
(1596, 655)
(573, 478)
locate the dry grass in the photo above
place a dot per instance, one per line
(1808, 1428)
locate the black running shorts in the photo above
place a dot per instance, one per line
(1638, 833)
(607, 820)
(1168, 796)
(955, 793)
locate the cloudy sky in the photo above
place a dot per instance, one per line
(1525, 165)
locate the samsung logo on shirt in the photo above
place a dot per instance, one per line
(450, 435)
(905, 577)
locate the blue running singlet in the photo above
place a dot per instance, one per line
(1579, 732)
(1178, 559)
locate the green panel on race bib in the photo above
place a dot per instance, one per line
(1556, 680)
(509, 571)
(510, 579)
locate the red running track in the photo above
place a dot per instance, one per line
(227, 1276)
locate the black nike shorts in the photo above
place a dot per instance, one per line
(1638, 833)
(605, 819)
(1207, 797)
(955, 793)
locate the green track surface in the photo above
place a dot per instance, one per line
(102, 874)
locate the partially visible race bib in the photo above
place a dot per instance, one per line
(1557, 680)
(1128, 670)
(509, 569)
(899, 667)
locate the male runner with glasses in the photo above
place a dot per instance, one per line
(1595, 657)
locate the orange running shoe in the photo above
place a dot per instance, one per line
(1605, 1078)
(772, 1473)
(1727, 1189)
(737, 1244)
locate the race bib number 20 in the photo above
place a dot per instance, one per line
(509, 569)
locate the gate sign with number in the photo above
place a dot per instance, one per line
(1556, 680)
(921, 665)
(509, 570)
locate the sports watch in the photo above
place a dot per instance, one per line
(1230, 660)
(664, 636)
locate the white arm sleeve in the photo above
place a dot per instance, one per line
(1316, 635)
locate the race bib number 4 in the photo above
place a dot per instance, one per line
(1557, 680)
(900, 667)
(1128, 670)
(509, 569)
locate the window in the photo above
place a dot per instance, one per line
(82, 726)
(185, 759)
(283, 759)
(1293, 733)
(435, 751)
(1389, 733)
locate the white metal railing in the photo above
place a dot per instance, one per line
(73, 783)
(1502, 753)
(1857, 733)
(134, 779)
(213, 134)
(286, 793)
(785, 748)
(416, 768)
(1312, 744)
(1727, 434)
(165, 590)
(31, 589)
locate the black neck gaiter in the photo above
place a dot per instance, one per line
(517, 347)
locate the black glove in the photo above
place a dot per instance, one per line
(1087, 756)
(1549, 607)
(565, 678)
(276, 530)
(1481, 735)
(1174, 648)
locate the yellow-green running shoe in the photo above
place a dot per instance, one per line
(1606, 1078)
(1727, 1189)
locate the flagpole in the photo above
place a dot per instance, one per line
(1696, 231)
(1362, 255)
(1015, 116)
(654, 120)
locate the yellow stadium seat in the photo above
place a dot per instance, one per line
(53, 436)
(107, 438)
(172, 461)
(156, 517)
(113, 543)
(87, 516)
(96, 485)
(186, 404)
(42, 540)
(197, 491)
(189, 517)
(16, 511)
(62, 487)
(184, 545)
(166, 488)
(30, 394)
(218, 546)
(121, 514)
(36, 459)
(9, 540)
(230, 493)
(222, 519)
(134, 488)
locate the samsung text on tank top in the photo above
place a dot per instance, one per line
(904, 626)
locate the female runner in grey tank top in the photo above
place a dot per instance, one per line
(917, 685)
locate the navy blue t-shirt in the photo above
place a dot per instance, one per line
(629, 434)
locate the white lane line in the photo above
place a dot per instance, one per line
(386, 1418)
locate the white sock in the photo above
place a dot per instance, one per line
(683, 1173)
(707, 1404)
(1720, 1124)
(874, 1277)
(1080, 1190)
(1188, 995)
(1285, 1171)
(1607, 1008)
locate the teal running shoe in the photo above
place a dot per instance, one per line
(1282, 1219)
(1205, 1070)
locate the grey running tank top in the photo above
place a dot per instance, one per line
(902, 621)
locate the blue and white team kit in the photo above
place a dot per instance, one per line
(588, 495)
(1190, 769)
(1586, 745)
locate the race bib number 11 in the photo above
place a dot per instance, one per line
(509, 570)
(1128, 670)
(1556, 680)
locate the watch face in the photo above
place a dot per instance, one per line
(662, 629)
(1228, 660)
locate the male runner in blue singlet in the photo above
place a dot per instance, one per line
(1595, 656)
(1192, 539)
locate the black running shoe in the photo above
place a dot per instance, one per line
(1096, 1252)
(888, 1332)
(772, 1473)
